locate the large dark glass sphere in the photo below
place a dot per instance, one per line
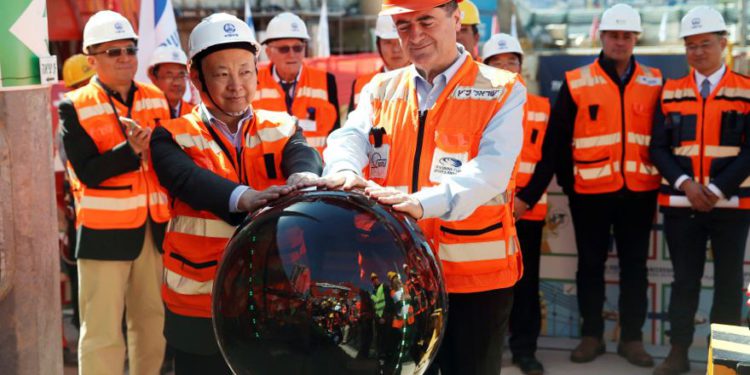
(328, 282)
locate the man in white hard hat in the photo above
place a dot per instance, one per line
(468, 36)
(288, 85)
(167, 69)
(534, 174)
(443, 135)
(603, 117)
(389, 49)
(218, 162)
(121, 210)
(703, 151)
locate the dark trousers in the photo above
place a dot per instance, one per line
(526, 316)
(687, 234)
(186, 363)
(474, 334)
(629, 216)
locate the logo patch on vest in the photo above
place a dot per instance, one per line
(468, 92)
(446, 164)
(648, 81)
(379, 161)
(307, 125)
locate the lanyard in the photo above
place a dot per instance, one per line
(117, 116)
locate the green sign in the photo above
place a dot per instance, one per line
(23, 40)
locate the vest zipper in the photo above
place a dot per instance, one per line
(418, 152)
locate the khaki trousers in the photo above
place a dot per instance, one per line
(107, 289)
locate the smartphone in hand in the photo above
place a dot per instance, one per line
(130, 124)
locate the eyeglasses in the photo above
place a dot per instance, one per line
(285, 49)
(117, 51)
(169, 77)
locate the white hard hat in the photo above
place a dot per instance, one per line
(286, 26)
(385, 28)
(218, 29)
(167, 55)
(501, 43)
(106, 26)
(700, 20)
(621, 17)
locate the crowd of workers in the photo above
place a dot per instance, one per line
(159, 184)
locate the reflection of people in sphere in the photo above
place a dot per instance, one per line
(293, 252)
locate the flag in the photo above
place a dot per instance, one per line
(324, 46)
(663, 27)
(249, 18)
(513, 30)
(594, 29)
(157, 27)
(495, 25)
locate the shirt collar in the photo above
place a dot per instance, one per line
(447, 74)
(216, 122)
(278, 79)
(714, 78)
(127, 101)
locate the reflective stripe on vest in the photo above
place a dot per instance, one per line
(469, 250)
(706, 135)
(126, 200)
(201, 227)
(603, 118)
(184, 285)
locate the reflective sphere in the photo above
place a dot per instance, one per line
(328, 282)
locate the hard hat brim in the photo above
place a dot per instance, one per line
(268, 40)
(413, 6)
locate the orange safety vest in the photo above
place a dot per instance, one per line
(478, 253)
(195, 240)
(126, 200)
(613, 130)
(707, 135)
(185, 108)
(311, 106)
(534, 128)
(359, 84)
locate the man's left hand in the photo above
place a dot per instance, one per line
(303, 180)
(400, 201)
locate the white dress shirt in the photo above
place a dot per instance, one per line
(480, 180)
(713, 80)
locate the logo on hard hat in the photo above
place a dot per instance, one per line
(295, 26)
(175, 56)
(621, 21)
(502, 44)
(696, 22)
(229, 28)
(119, 28)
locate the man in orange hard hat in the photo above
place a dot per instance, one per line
(445, 134)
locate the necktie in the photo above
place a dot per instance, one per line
(288, 88)
(705, 88)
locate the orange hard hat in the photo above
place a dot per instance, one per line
(391, 7)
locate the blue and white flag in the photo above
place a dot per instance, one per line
(157, 27)
(324, 45)
(249, 18)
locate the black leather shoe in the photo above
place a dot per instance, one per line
(529, 365)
